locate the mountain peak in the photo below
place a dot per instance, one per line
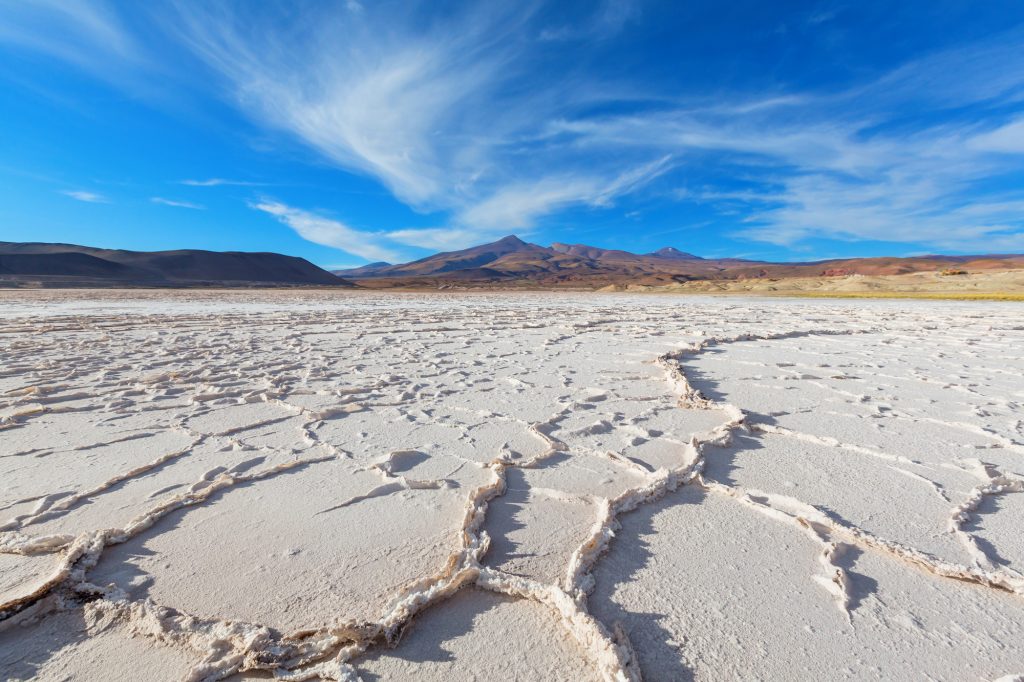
(510, 240)
(672, 252)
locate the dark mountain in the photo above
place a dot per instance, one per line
(511, 262)
(71, 265)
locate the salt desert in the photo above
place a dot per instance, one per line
(349, 485)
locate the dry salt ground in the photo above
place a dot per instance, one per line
(341, 486)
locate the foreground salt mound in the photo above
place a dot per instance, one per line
(535, 530)
(20, 574)
(481, 636)
(339, 486)
(996, 526)
(274, 531)
(878, 495)
(831, 423)
(86, 644)
(706, 589)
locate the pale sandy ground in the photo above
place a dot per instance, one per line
(993, 284)
(324, 485)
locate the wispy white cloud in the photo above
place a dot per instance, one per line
(87, 34)
(410, 115)
(518, 206)
(385, 104)
(1007, 139)
(835, 167)
(437, 115)
(343, 266)
(608, 19)
(177, 204)
(328, 232)
(89, 197)
(898, 210)
(822, 16)
(442, 238)
(218, 182)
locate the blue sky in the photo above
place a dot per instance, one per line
(354, 131)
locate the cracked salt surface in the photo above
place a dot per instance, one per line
(322, 485)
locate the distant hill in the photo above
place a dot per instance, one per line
(70, 265)
(364, 270)
(511, 262)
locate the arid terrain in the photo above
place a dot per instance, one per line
(985, 284)
(343, 485)
(511, 264)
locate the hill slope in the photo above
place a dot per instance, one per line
(38, 264)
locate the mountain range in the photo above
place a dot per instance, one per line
(507, 263)
(511, 262)
(70, 265)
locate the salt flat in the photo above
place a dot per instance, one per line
(323, 485)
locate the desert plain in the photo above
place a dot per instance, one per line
(344, 485)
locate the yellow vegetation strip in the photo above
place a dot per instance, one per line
(934, 295)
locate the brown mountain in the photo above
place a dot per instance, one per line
(460, 261)
(515, 262)
(69, 265)
(511, 262)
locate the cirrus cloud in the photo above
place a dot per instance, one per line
(326, 231)
(88, 197)
(177, 204)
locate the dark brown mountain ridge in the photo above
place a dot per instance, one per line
(70, 265)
